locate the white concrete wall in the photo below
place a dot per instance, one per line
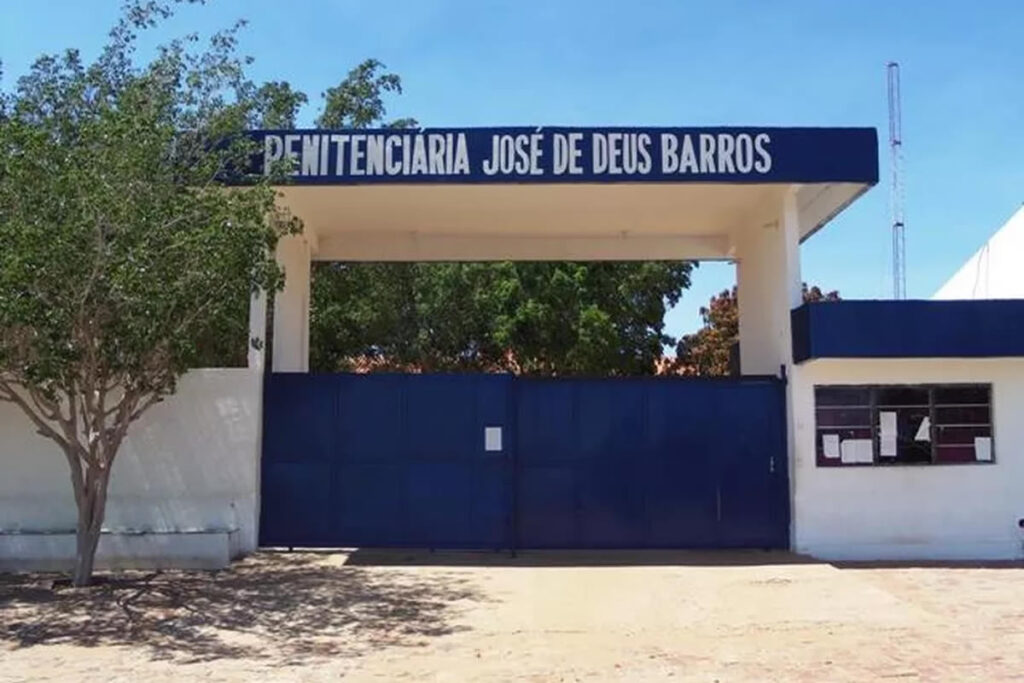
(189, 466)
(920, 512)
(768, 286)
(291, 306)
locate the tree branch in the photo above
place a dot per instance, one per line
(96, 266)
(9, 393)
(46, 407)
(152, 399)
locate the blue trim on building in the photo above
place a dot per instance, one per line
(987, 328)
(574, 155)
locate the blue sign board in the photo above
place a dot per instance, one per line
(573, 155)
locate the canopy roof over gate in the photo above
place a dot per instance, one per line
(561, 193)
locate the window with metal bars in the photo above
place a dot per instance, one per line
(924, 424)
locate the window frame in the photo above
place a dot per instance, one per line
(873, 406)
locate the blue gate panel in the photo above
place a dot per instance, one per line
(295, 504)
(546, 423)
(753, 481)
(454, 506)
(612, 509)
(299, 419)
(681, 504)
(369, 416)
(369, 505)
(681, 418)
(610, 421)
(440, 423)
(400, 461)
(681, 491)
(651, 462)
(546, 509)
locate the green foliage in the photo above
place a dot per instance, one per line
(277, 105)
(119, 245)
(532, 318)
(358, 101)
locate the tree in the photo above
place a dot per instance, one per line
(531, 318)
(358, 101)
(120, 249)
(274, 105)
(711, 350)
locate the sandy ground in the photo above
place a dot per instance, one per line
(386, 616)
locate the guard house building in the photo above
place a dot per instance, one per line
(857, 429)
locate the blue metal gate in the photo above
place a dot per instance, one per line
(492, 461)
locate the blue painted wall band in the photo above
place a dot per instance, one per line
(984, 328)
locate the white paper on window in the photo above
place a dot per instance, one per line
(866, 448)
(887, 423)
(924, 431)
(887, 446)
(983, 448)
(830, 445)
(855, 451)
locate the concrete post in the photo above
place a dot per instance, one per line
(768, 286)
(291, 307)
(256, 343)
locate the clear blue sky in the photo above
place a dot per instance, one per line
(674, 62)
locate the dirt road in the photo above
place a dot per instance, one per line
(552, 617)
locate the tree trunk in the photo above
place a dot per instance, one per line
(91, 507)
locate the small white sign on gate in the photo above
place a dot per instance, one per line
(492, 438)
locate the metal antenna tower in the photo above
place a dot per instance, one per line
(899, 255)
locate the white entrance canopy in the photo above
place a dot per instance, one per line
(750, 195)
(618, 222)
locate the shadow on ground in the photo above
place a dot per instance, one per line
(398, 557)
(289, 606)
(575, 558)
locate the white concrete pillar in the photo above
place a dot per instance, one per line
(257, 342)
(291, 307)
(768, 286)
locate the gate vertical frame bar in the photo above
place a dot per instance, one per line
(786, 524)
(339, 386)
(512, 458)
(647, 454)
(265, 388)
